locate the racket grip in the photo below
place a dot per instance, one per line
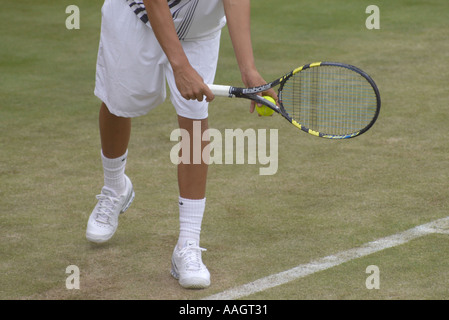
(221, 91)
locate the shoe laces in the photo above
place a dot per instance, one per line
(106, 206)
(192, 257)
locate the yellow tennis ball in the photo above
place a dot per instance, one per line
(264, 110)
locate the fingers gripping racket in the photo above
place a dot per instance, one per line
(325, 99)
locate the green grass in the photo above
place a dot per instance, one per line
(327, 196)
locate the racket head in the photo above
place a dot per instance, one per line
(330, 100)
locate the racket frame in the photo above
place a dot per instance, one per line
(254, 94)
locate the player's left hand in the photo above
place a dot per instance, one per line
(254, 79)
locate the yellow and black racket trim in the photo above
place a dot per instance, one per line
(325, 99)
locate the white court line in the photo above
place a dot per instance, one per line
(438, 226)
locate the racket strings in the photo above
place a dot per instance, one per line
(330, 99)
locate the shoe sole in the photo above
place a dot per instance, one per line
(128, 203)
(100, 239)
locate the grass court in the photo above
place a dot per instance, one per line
(326, 197)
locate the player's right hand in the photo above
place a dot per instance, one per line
(191, 85)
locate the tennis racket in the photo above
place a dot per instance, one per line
(326, 99)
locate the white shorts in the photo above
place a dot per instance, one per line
(132, 70)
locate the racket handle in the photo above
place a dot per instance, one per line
(221, 91)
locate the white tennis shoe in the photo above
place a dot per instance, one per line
(188, 268)
(103, 220)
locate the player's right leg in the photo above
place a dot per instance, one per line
(130, 82)
(117, 193)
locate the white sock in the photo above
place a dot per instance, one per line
(114, 172)
(190, 218)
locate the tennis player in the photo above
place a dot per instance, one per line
(143, 46)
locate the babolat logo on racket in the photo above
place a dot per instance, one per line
(256, 89)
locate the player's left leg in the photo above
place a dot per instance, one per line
(187, 265)
(192, 176)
